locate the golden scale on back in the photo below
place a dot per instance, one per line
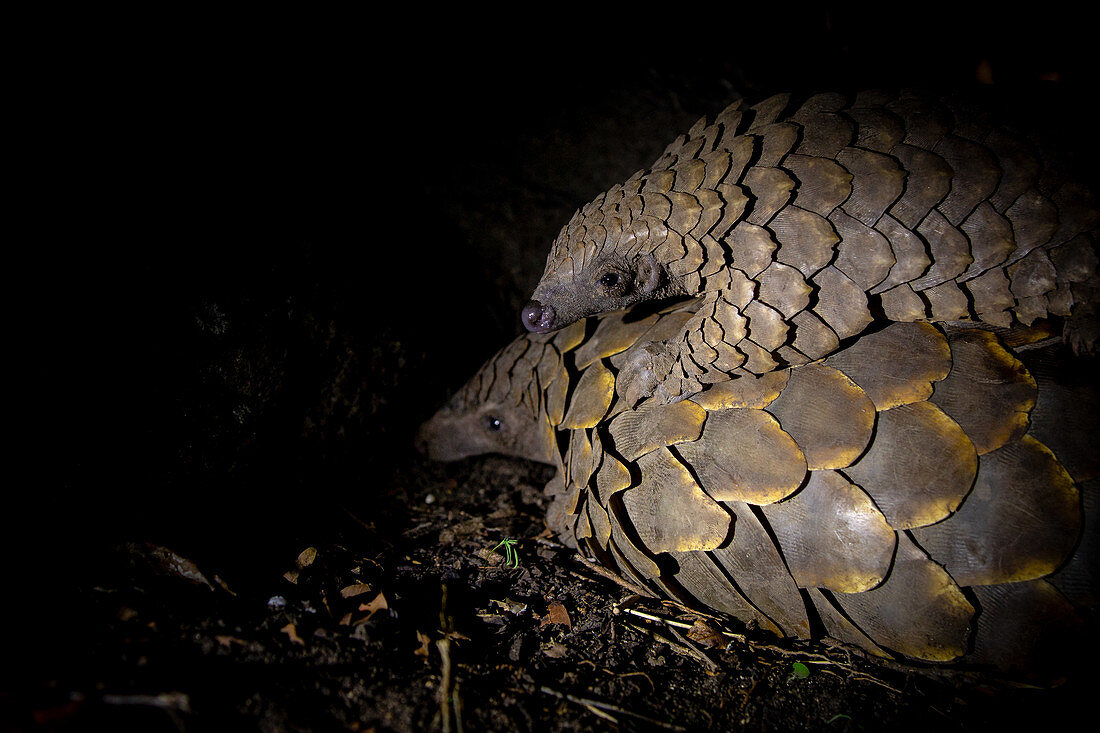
(815, 440)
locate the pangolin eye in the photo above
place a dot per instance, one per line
(609, 279)
(493, 423)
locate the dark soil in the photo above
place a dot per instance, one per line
(273, 261)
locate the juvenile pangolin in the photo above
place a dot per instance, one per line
(800, 226)
(917, 494)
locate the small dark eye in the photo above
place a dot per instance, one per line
(493, 423)
(609, 279)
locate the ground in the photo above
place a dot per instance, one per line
(229, 526)
(404, 618)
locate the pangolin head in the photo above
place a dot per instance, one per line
(497, 411)
(601, 261)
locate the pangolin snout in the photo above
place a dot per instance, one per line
(538, 318)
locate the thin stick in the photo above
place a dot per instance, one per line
(600, 570)
(605, 706)
(658, 619)
(445, 684)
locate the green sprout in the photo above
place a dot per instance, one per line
(799, 670)
(511, 555)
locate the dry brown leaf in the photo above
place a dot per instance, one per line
(307, 556)
(425, 641)
(354, 589)
(514, 607)
(226, 641)
(291, 575)
(705, 635)
(222, 584)
(164, 561)
(292, 633)
(378, 604)
(556, 615)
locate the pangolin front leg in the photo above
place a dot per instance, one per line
(647, 371)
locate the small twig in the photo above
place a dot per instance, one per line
(676, 646)
(445, 685)
(448, 686)
(672, 624)
(167, 700)
(648, 679)
(807, 657)
(172, 703)
(599, 713)
(871, 678)
(804, 656)
(658, 619)
(456, 701)
(600, 570)
(608, 707)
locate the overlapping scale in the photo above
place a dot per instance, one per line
(877, 182)
(824, 183)
(668, 509)
(919, 353)
(841, 303)
(1024, 627)
(927, 203)
(653, 425)
(706, 582)
(919, 611)
(801, 229)
(806, 239)
(832, 535)
(747, 391)
(863, 254)
(997, 536)
(756, 565)
(838, 626)
(612, 336)
(899, 495)
(744, 455)
(828, 415)
(919, 467)
(591, 397)
(988, 392)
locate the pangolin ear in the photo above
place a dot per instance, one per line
(649, 273)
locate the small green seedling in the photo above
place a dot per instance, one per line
(511, 555)
(799, 670)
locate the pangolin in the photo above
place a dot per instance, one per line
(917, 494)
(800, 226)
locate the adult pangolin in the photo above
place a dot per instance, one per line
(917, 494)
(801, 226)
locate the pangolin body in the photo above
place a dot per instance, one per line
(800, 226)
(917, 494)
